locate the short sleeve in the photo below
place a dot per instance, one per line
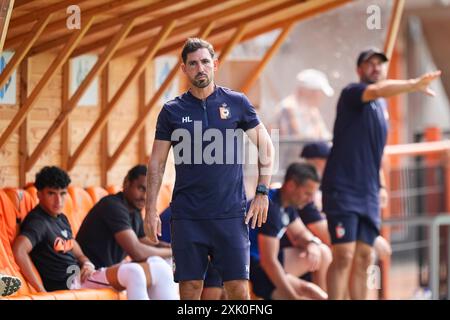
(310, 214)
(249, 117)
(140, 228)
(163, 126)
(353, 93)
(34, 229)
(116, 217)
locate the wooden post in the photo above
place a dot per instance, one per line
(6, 7)
(23, 129)
(104, 140)
(56, 64)
(135, 72)
(234, 40)
(394, 25)
(78, 94)
(66, 141)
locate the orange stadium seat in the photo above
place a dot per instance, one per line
(96, 193)
(82, 203)
(22, 200)
(113, 189)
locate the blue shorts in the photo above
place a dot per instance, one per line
(212, 278)
(224, 241)
(350, 227)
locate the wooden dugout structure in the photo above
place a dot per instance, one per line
(97, 144)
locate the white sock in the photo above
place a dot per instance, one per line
(132, 277)
(163, 287)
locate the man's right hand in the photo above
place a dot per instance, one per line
(422, 83)
(152, 226)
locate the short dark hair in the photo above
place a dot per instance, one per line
(136, 172)
(301, 172)
(52, 177)
(193, 44)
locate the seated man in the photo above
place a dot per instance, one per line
(114, 229)
(46, 241)
(213, 284)
(268, 276)
(9, 285)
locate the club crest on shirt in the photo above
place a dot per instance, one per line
(225, 112)
(64, 233)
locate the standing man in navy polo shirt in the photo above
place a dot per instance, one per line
(205, 126)
(351, 182)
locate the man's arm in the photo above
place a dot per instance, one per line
(155, 173)
(259, 206)
(320, 230)
(129, 242)
(268, 252)
(21, 249)
(301, 237)
(389, 88)
(87, 267)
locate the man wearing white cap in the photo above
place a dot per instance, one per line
(299, 114)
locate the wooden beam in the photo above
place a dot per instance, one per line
(57, 25)
(23, 129)
(56, 64)
(147, 26)
(37, 28)
(66, 137)
(140, 122)
(285, 12)
(234, 40)
(111, 23)
(6, 7)
(394, 25)
(191, 25)
(33, 15)
(72, 103)
(142, 142)
(135, 72)
(104, 139)
(250, 81)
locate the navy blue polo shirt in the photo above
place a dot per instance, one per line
(206, 136)
(351, 179)
(278, 219)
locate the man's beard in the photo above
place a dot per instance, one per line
(203, 83)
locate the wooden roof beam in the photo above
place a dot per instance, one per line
(214, 17)
(6, 7)
(72, 102)
(38, 27)
(140, 121)
(55, 26)
(34, 15)
(134, 73)
(56, 64)
(234, 40)
(110, 23)
(394, 25)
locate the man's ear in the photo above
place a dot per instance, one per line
(126, 184)
(183, 68)
(216, 64)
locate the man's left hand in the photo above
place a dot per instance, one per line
(258, 210)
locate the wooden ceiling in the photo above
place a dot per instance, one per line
(148, 17)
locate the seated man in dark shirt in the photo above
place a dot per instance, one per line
(46, 242)
(268, 274)
(113, 229)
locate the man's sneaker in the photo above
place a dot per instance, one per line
(9, 285)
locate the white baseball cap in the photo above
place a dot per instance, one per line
(314, 79)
